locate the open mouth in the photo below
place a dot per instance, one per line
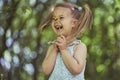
(58, 27)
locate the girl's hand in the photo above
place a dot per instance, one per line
(61, 42)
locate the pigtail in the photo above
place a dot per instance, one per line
(85, 20)
(46, 22)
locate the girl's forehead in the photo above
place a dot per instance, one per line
(61, 11)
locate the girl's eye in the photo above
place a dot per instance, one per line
(53, 18)
(61, 17)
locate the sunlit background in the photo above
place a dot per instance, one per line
(23, 46)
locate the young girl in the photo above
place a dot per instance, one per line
(66, 57)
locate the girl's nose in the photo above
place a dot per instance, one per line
(57, 22)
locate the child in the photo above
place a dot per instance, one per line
(66, 57)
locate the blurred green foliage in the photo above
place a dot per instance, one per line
(23, 46)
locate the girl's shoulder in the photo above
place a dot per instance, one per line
(80, 52)
(81, 46)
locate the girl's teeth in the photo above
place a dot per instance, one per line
(60, 27)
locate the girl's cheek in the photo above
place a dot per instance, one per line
(62, 21)
(52, 25)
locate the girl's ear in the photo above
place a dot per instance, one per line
(74, 22)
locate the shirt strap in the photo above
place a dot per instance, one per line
(76, 42)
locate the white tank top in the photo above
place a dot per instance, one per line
(60, 71)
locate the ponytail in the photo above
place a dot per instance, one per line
(84, 21)
(46, 22)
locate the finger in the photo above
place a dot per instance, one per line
(57, 43)
(59, 39)
(62, 37)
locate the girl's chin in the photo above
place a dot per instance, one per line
(61, 34)
(58, 34)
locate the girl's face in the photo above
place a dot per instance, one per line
(62, 21)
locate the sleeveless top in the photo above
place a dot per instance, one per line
(60, 71)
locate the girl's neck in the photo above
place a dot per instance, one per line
(70, 40)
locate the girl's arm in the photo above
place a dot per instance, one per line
(49, 61)
(75, 63)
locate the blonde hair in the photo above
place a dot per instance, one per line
(83, 16)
